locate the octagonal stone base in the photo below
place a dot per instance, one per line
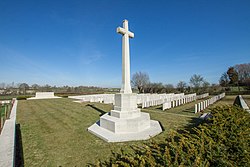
(110, 136)
(131, 125)
(126, 122)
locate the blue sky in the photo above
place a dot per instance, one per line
(74, 42)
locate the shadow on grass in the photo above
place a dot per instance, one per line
(162, 127)
(19, 159)
(194, 122)
(97, 109)
(189, 110)
(159, 107)
(181, 111)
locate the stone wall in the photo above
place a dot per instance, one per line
(7, 139)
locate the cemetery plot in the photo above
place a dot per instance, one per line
(145, 100)
(54, 131)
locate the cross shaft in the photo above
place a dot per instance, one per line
(126, 86)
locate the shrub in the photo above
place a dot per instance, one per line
(22, 97)
(64, 96)
(221, 141)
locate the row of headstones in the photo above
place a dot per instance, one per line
(146, 104)
(5, 102)
(154, 100)
(202, 96)
(147, 100)
(142, 98)
(170, 103)
(101, 98)
(150, 99)
(204, 104)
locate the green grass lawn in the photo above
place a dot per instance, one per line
(54, 132)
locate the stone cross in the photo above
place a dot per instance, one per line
(126, 87)
(125, 122)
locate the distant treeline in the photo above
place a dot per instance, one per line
(25, 89)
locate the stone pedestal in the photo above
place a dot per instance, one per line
(126, 122)
(125, 106)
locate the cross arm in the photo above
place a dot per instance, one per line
(123, 31)
(130, 34)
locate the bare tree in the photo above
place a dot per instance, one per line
(246, 82)
(140, 80)
(2, 85)
(233, 76)
(157, 87)
(35, 86)
(23, 87)
(224, 80)
(169, 88)
(181, 86)
(243, 71)
(196, 82)
(205, 86)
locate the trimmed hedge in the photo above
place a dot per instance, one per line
(237, 93)
(24, 97)
(224, 140)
